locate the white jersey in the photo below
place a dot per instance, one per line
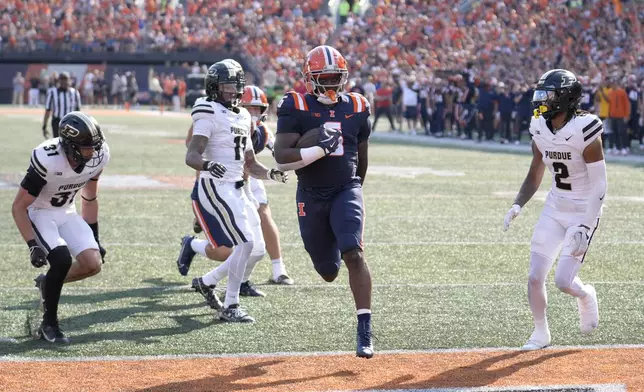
(63, 182)
(228, 133)
(563, 152)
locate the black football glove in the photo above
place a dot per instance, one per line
(215, 168)
(329, 140)
(278, 175)
(36, 254)
(101, 250)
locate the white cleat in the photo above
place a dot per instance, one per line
(537, 341)
(588, 311)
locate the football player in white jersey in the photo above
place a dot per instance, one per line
(45, 213)
(255, 101)
(221, 148)
(568, 142)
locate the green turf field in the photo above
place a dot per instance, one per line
(444, 273)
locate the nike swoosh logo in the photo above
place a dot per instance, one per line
(602, 198)
(349, 115)
(568, 138)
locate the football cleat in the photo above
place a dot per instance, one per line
(537, 341)
(208, 292)
(196, 227)
(248, 289)
(588, 311)
(235, 314)
(52, 333)
(282, 279)
(364, 348)
(186, 254)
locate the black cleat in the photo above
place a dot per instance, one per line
(52, 333)
(208, 292)
(186, 254)
(364, 348)
(248, 289)
(196, 227)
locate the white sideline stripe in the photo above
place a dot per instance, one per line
(7, 358)
(534, 388)
(316, 286)
(403, 243)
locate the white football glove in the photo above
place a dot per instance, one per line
(512, 213)
(577, 238)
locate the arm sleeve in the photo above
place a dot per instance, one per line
(287, 121)
(592, 130)
(365, 130)
(33, 182)
(599, 182)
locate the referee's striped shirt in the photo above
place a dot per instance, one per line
(61, 102)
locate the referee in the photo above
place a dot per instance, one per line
(60, 101)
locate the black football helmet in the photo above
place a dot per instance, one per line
(221, 73)
(79, 130)
(557, 91)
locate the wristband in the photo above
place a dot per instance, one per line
(32, 243)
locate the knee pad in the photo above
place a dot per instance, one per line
(59, 257)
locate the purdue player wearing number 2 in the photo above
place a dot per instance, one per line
(568, 142)
(45, 213)
(330, 207)
(221, 149)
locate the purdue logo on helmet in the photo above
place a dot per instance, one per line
(78, 132)
(558, 91)
(225, 82)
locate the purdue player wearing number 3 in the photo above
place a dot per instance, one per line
(221, 149)
(568, 142)
(45, 213)
(330, 207)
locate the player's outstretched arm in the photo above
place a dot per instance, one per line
(258, 170)
(528, 188)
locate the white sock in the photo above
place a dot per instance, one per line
(278, 268)
(238, 260)
(250, 266)
(537, 297)
(216, 275)
(199, 246)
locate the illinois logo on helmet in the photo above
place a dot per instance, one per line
(254, 97)
(325, 73)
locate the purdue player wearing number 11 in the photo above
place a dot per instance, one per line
(221, 149)
(568, 142)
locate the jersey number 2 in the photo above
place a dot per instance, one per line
(240, 146)
(561, 171)
(336, 125)
(62, 198)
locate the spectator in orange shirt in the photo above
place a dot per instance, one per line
(182, 91)
(620, 112)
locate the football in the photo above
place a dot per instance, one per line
(310, 138)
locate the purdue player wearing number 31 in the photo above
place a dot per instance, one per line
(221, 149)
(45, 213)
(568, 142)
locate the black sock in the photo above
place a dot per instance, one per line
(60, 262)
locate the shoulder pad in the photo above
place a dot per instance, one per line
(202, 109)
(42, 157)
(535, 125)
(292, 101)
(359, 102)
(591, 127)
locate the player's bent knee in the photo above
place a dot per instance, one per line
(60, 259)
(563, 283)
(90, 261)
(328, 271)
